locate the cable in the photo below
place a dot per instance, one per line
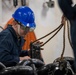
(63, 24)
(48, 33)
(63, 44)
(52, 36)
(68, 30)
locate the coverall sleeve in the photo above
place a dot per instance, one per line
(5, 54)
(67, 9)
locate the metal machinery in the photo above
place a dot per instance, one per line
(37, 67)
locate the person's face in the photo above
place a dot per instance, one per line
(20, 29)
(23, 30)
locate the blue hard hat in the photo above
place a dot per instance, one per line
(25, 16)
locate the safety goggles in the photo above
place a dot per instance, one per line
(25, 27)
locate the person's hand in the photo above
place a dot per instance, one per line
(24, 58)
(63, 20)
(38, 43)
